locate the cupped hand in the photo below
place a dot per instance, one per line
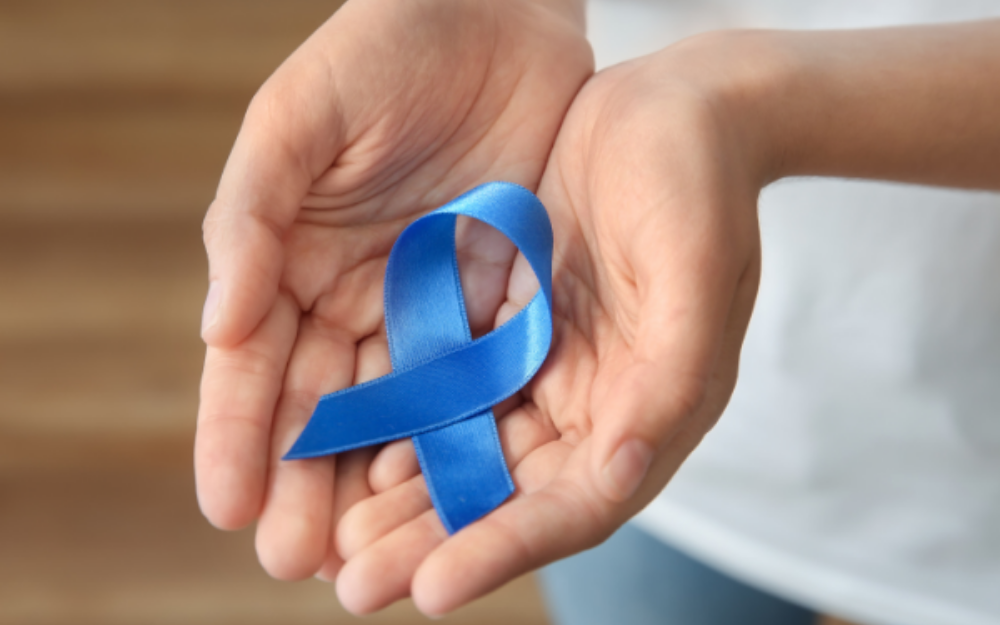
(652, 188)
(390, 109)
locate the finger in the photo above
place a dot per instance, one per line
(350, 486)
(485, 257)
(518, 536)
(402, 492)
(294, 527)
(521, 288)
(568, 514)
(520, 432)
(287, 139)
(373, 362)
(239, 390)
(397, 462)
(370, 520)
(686, 305)
(645, 413)
(403, 510)
(391, 562)
(394, 464)
(378, 576)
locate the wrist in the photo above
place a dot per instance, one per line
(910, 104)
(574, 11)
(736, 84)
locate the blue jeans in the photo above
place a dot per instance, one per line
(635, 579)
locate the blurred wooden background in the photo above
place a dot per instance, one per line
(115, 120)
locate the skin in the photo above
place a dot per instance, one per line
(389, 110)
(652, 188)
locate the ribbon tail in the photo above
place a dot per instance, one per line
(465, 470)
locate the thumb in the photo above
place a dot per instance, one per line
(688, 340)
(650, 409)
(267, 177)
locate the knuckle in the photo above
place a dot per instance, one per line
(591, 512)
(688, 396)
(265, 106)
(211, 226)
(249, 363)
(299, 402)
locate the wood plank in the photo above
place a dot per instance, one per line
(119, 161)
(53, 48)
(99, 346)
(92, 280)
(109, 548)
(126, 109)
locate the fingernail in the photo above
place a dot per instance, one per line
(211, 310)
(627, 468)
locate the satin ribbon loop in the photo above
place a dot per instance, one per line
(444, 384)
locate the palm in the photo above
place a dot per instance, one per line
(545, 431)
(653, 286)
(371, 123)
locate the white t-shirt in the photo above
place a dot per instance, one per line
(857, 468)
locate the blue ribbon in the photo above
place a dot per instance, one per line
(444, 384)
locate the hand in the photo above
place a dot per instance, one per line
(390, 109)
(652, 189)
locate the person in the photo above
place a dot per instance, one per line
(651, 172)
(855, 470)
